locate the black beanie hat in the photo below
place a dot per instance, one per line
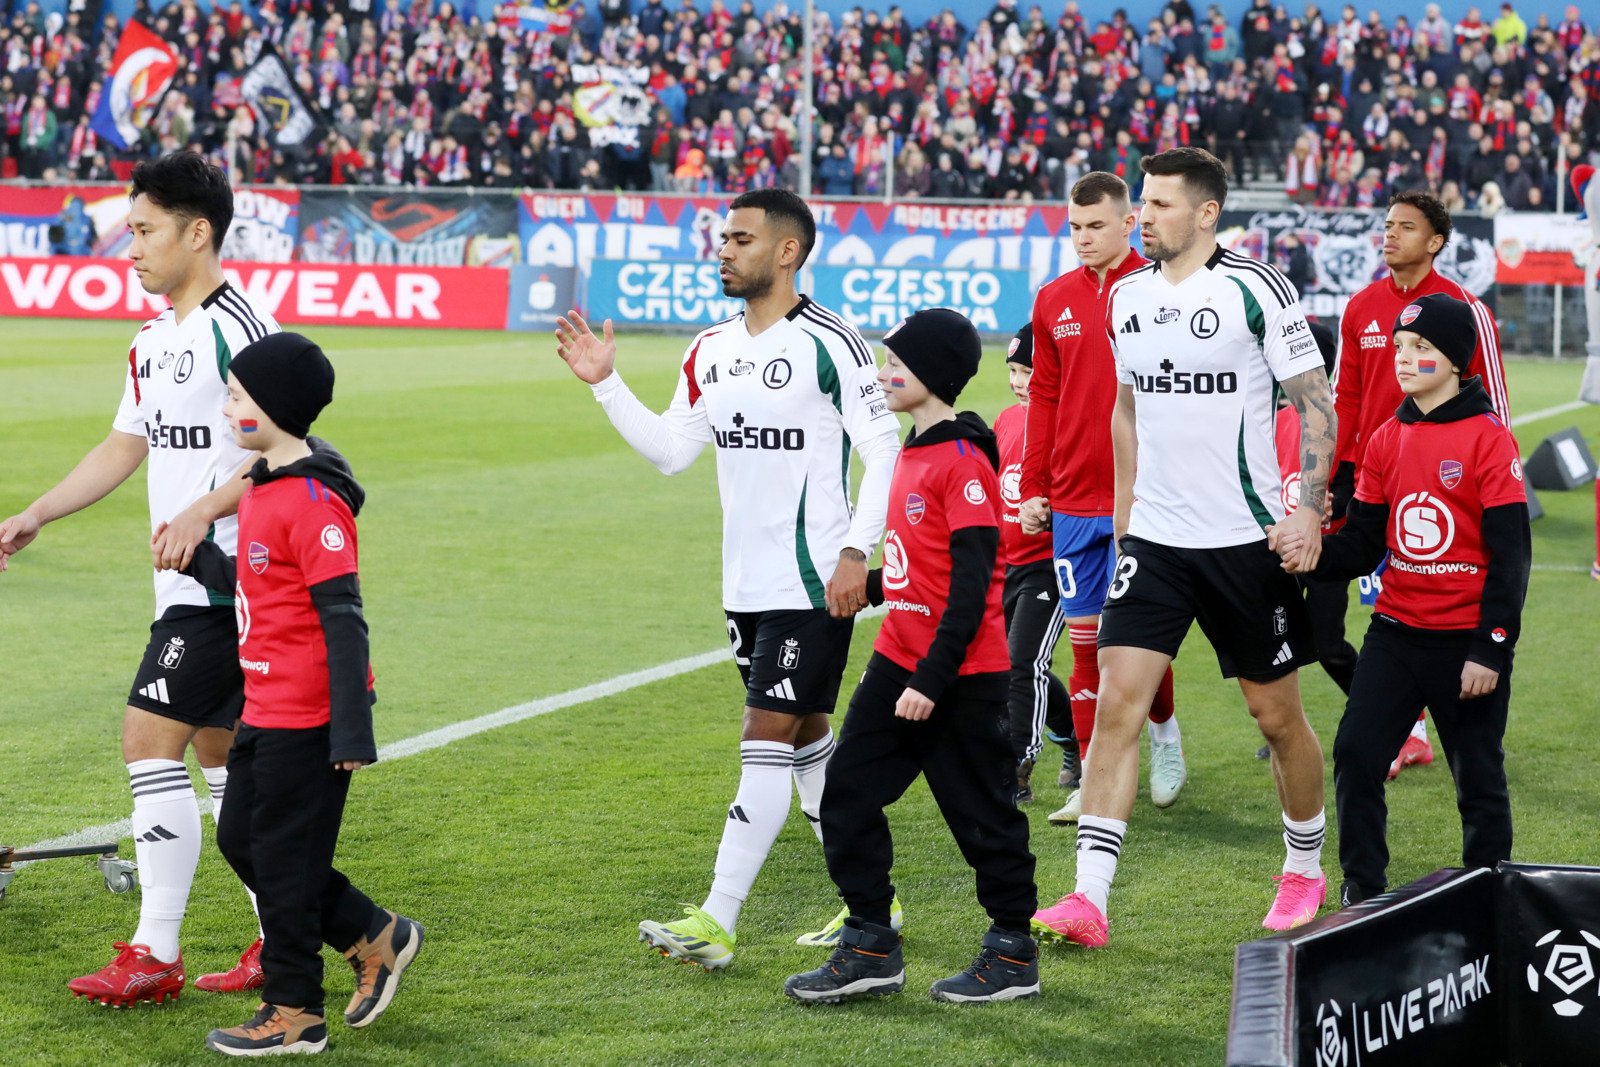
(1021, 348)
(941, 348)
(288, 377)
(1446, 323)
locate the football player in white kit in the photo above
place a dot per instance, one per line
(783, 391)
(1203, 338)
(188, 689)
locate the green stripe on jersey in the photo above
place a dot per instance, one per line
(1263, 517)
(827, 374)
(224, 353)
(802, 556)
(1253, 315)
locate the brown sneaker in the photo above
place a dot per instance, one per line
(378, 964)
(274, 1031)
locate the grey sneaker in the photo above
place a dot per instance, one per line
(1007, 968)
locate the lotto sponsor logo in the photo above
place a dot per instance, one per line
(457, 297)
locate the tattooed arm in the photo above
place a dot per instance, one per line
(1299, 537)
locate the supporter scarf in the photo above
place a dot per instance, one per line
(84, 143)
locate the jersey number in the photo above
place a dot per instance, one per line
(737, 640)
(1065, 580)
(1126, 567)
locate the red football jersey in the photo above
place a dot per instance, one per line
(936, 490)
(294, 533)
(1437, 478)
(1016, 547)
(1365, 391)
(1073, 390)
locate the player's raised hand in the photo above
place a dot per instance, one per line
(591, 358)
(16, 534)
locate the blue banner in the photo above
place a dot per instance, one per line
(874, 299)
(538, 295)
(660, 293)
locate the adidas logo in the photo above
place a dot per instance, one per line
(1042, 596)
(156, 690)
(783, 690)
(736, 813)
(1373, 327)
(1131, 326)
(158, 834)
(1066, 314)
(1284, 656)
(1085, 694)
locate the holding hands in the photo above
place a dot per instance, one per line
(1297, 540)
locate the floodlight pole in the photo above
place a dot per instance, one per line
(807, 92)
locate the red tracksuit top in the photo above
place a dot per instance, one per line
(1364, 386)
(1074, 387)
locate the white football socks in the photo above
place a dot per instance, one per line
(1304, 843)
(810, 773)
(217, 786)
(166, 844)
(1165, 732)
(1099, 846)
(754, 819)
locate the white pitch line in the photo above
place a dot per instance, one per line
(456, 731)
(1549, 413)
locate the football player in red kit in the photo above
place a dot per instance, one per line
(1440, 489)
(1365, 392)
(1067, 474)
(308, 698)
(932, 700)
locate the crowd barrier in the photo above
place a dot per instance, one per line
(387, 254)
(1461, 967)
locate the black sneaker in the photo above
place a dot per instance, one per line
(379, 962)
(1071, 776)
(1007, 968)
(1024, 792)
(1351, 893)
(866, 963)
(273, 1032)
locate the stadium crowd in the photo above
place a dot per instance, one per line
(1335, 109)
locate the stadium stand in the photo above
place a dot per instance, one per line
(1333, 109)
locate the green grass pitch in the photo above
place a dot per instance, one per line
(514, 548)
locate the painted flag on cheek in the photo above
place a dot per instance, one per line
(247, 426)
(1427, 366)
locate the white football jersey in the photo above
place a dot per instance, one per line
(782, 410)
(173, 396)
(1204, 358)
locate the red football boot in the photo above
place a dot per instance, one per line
(246, 974)
(134, 975)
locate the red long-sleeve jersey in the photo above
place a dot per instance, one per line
(1366, 392)
(1071, 394)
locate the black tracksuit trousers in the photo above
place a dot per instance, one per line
(965, 751)
(1400, 671)
(280, 823)
(1037, 700)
